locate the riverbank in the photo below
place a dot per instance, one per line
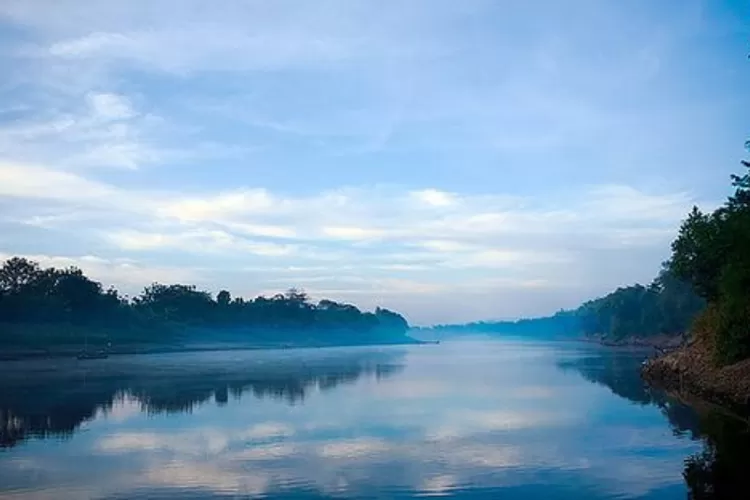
(71, 351)
(661, 343)
(690, 370)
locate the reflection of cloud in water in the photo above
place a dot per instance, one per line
(425, 432)
(267, 430)
(215, 478)
(195, 442)
(188, 443)
(441, 484)
(266, 452)
(355, 448)
(118, 389)
(470, 422)
(493, 456)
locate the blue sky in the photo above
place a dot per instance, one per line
(451, 160)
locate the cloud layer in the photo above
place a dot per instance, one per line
(451, 161)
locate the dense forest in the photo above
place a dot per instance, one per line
(712, 252)
(53, 307)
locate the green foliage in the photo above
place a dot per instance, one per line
(32, 297)
(712, 252)
(667, 306)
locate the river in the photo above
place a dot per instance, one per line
(482, 419)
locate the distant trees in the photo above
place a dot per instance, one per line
(667, 306)
(31, 295)
(562, 324)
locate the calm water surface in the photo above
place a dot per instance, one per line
(469, 419)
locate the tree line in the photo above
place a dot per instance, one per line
(704, 287)
(712, 252)
(50, 305)
(667, 306)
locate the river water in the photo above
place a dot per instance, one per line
(495, 419)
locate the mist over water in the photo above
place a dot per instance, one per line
(464, 419)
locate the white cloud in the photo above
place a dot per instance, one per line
(91, 45)
(435, 198)
(446, 246)
(102, 129)
(357, 244)
(353, 233)
(110, 106)
(197, 241)
(29, 181)
(452, 106)
(245, 202)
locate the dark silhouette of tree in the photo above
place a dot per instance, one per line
(712, 252)
(52, 307)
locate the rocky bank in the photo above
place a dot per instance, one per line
(690, 370)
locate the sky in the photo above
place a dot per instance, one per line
(453, 161)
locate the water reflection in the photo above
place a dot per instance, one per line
(619, 372)
(721, 469)
(718, 471)
(41, 398)
(474, 420)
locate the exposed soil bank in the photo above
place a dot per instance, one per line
(690, 370)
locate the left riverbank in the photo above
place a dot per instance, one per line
(72, 350)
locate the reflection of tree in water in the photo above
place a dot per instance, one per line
(56, 401)
(721, 470)
(619, 372)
